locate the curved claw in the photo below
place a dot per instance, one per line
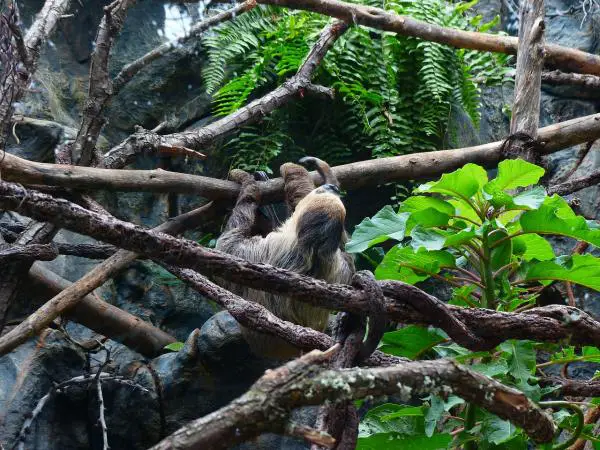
(261, 175)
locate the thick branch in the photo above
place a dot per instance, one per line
(131, 69)
(100, 89)
(104, 318)
(530, 60)
(70, 296)
(572, 388)
(44, 25)
(555, 56)
(259, 318)
(472, 328)
(252, 112)
(31, 252)
(352, 176)
(577, 184)
(265, 407)
(586, 86)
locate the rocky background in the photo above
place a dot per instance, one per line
(214, 366)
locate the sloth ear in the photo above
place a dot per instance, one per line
(320, 232)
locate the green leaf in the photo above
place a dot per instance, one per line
(514, 173)
(461, 237)
(391, 417)
(532, 198)
(462, 183)
(555, 216)
(410, 266)
(174, 346)
(393, 441)
(579, 269)
(501, 254)
(427, 238)
(436, 410)
(422, 202)
(411, 341)
(496, 430)
(493, 368)
(384, 225)
(521, 362)
(532, 246)
(427, 218)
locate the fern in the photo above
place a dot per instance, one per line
(394, 93)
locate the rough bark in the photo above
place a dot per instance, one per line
(100, 88)
(556, 56)
(585, 86)
(476, 329)
(351, 176)
(577, 184)
(530, 61)
(30, 253)
(104, 318)
(572, 388)
(259, 318)
(266, 406)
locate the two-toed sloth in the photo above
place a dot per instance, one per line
(310, 242)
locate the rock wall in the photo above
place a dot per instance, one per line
(215, 365)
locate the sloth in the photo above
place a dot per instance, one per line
(309, 242)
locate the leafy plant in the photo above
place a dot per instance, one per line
(488, 240)
(395, 93)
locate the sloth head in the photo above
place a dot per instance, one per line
(319, 219)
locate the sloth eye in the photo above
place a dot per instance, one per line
(329, 188)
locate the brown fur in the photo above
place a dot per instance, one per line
(309, 242)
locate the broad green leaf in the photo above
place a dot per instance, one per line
(578, 269)
(463, 209)
(530, 199)
(427, 218)
(410, 266)
(430, 239)
(422, 202)
(514, 173)
(384, 225)
(174, 346)
(388, 418)
(591, 354)
(462, 183)
(411, 341)
(532, 246)
(436, 410)
(555, 216)
(496, 430)
(393, 441)
(492, 368)
(460, 237)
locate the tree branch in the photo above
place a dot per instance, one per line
(301, 382)
(252, 112)
(556, 56)
(104, 318)
(472, 328)
(259, 318)
(130, 70)
(31, 252)
(100, 89)
(530, 60)
(577, 184)
(351, 176)
(587, 86)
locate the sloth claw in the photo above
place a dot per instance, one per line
(239, 176)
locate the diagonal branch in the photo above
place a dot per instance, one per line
(556, 56)
(266, 405)
(252, 112)
(130, 70)
(100, 89)
(472, 328)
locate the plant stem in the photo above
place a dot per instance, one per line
(488, 300)
(470, 415)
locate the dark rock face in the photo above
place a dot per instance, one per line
(215, 364)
